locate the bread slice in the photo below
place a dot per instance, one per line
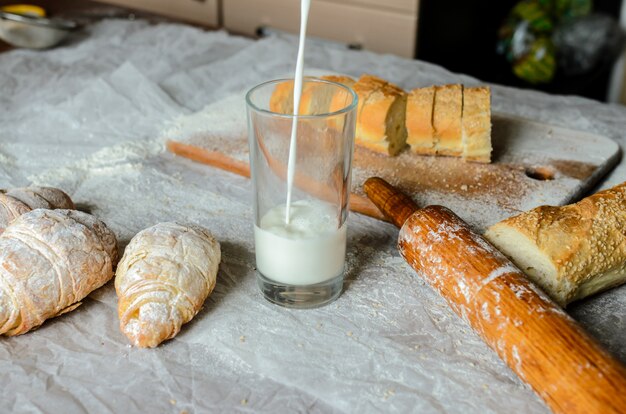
(281, 101)
(381, 115)
(447, 114)
(573, 251)
(344, 80)
(419, 120)
(317, 98)
(476, 124)
(442, 120)
(339, 100)
(364, 87)
(311, 101)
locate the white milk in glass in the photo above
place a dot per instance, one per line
(299, 243)
(308, 250)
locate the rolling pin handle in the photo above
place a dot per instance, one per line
(395, 205)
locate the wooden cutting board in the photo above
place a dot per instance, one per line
(533, 164)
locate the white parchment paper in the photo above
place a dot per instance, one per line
(87, 117)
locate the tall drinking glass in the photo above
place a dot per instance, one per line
(300, 253)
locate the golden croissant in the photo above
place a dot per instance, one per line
(49, 261)
(17, 201)
(163, 279)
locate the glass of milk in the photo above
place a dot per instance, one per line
(301, 192)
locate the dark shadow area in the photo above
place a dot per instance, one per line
(237, 262)
(597, 315)
(361, 248)
(468, 41)
(85, 207)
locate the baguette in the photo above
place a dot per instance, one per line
(572, 251)
(381, 115)
(339, 100)
(438, 120)
(281, 101)
(450, 120)
(476, 124)
(316, 98)
(419, 120)
(447, 114)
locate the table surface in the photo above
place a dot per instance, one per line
(88, 117)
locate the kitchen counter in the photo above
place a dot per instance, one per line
(88, 116)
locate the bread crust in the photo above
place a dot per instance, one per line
(419, 120)
(364, 87)
(477, 124)
(581, 243)
(339, 99)
(344, 80)
(381, 115)
(447, 114)
(432, 120)
(16, 201)
(281, 101)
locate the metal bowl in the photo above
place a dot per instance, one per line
(33, 32)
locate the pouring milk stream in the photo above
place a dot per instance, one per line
(297, 94)
(299, 243)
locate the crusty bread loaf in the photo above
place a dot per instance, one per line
(16, 201)
(419, 120)
(363, 88)
(344, 80)
(572, 251)
(476, 124)
(339, 100)
(450, 120)
(163, 279)
(49, 261)
(281, 100)
(381, 115)
(437, 120)
(317, 98)
(447, 113)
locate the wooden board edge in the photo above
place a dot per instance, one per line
(591, 185)
(615, 147)
(212, 158)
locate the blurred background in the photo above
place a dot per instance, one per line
(557, 46)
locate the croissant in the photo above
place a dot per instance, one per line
(49, 261)
(163, 279)
(17, 201)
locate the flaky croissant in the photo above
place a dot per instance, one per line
(49, 261)
(163, 279)
(17, 201)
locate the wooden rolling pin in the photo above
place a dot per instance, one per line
(543, 345)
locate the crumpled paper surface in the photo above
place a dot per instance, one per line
(86, 117)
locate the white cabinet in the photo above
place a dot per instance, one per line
(204, 12)
(387, 27)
